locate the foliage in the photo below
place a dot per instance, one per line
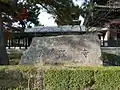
(17, 77)
(14, 58)
(23, 12)
(62, 10)
(110, 59)
(98, 16)
(32, 10)
(106, 78)
(15, 11)
(87, 12)
(4, 1)
(60, 78)
(68, 79)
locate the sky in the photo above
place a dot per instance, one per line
(47, 19)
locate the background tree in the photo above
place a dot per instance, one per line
(15, 11)
(87, 11)
(98, 16)
(27, 12)
(3, 11)
(61, 10)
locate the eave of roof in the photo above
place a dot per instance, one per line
(109, 7)
(116, 21)
(68, 28)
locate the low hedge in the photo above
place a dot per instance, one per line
(107, 78)
(110, 59)
(17, 77)
(84, 78)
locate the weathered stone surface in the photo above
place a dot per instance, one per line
(80, 49)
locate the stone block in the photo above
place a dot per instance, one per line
(78, 49)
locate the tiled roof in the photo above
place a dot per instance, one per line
(56, 29)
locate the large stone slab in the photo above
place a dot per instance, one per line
(79, 49)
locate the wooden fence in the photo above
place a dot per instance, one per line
(24, 39)
(110, 43)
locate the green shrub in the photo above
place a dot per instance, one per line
(14, 58)
(68, 79)
(107, 79)
(110, 59)
(104, 78)
(84, 78)
(16, 77)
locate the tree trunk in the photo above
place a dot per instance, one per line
(3, 53)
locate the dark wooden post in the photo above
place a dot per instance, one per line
(3, 52)
(26, 42)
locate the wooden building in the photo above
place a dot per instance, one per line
(106, 14)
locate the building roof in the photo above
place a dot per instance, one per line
(107, 7)
(100, 2)
(68, 28)
(115, 21)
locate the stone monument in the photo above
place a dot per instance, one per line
(79, 49)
